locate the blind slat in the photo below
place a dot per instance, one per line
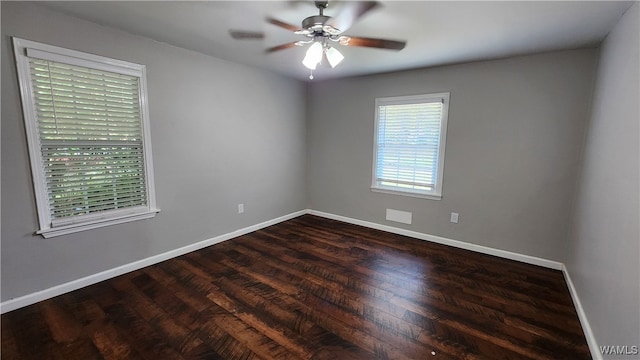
(408, 143)
(90, 129)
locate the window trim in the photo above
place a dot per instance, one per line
(436, 193)
(25, 49)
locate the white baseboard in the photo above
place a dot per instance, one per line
(588, 333)
(445, 241)
(586, 328)
(33, 298)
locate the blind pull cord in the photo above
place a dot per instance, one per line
(53, 100)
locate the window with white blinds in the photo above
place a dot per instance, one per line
(88, 137)
(409, 144)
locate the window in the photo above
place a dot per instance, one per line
(87, 125)
(409, 145)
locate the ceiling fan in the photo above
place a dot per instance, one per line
(322, 31)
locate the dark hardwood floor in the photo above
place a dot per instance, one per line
(309, 288)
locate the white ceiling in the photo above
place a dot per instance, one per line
(437, 32)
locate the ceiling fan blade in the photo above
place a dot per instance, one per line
(349, 14)
(283, 25)
(242, 34)
(374, 43)
(281, 47)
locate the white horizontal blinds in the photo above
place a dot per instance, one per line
(407, 145)
(91, 138)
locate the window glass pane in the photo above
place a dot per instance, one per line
(408, 143)
(87, 126)
(91, 138)
(85, 104)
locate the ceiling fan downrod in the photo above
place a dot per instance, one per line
(321, 5)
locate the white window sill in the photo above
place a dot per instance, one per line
(431, 196)
(73, 228)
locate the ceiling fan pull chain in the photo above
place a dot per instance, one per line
(310, 74)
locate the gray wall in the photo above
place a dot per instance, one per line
(225, 134)
(222, 134)
(604, 253)
(513, 143)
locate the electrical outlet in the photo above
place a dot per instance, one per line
(454, 218)
(240, 208)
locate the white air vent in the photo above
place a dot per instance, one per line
(399, 216)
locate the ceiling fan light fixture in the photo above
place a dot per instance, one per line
(321, 31)
(313, 56)
(333, 56)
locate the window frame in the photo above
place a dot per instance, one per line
(436, 193)
(48, 227)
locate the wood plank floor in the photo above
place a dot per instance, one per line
(309, 288)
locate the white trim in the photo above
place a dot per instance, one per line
(61, 57)
(52, 52)
(98, 217)
(29, 299)
(551, 264)
(408, 192)
(586, 328)
(146, 139)
(73, 228)
(33, 137)
(48, 227)
(33, 298)
(445, 241)
(412, 99)
(436, 192)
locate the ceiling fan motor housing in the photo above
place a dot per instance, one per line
(322, 29)
(315, 23)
